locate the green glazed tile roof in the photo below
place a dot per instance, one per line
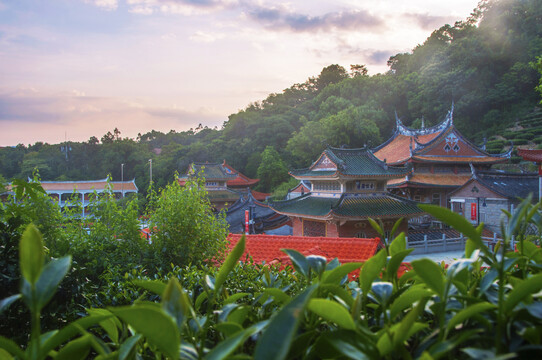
(306, 205)
(352, 162)
(376, 206)
(381, 205)
(210, 171)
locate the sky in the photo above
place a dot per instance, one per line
(72, 69)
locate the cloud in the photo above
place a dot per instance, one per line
(282, 18)
(142, 10)
(108, 5)
(205, 37)
(430, 22)
(28, 116)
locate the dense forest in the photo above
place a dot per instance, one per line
(485, 64)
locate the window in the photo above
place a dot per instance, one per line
(365, 185)
(327, 186)
(361, 235)
(436, 199)
(417, 198)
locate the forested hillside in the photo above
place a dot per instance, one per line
(485, 64)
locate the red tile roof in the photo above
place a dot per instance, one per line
(241, 180)
(268, 247)
(398, 150)
(431, 180)
(531, 155)
(98, 185)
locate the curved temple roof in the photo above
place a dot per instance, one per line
(336, 163)
(440, 143)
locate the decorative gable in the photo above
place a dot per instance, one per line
(324, 164)
(451, 144)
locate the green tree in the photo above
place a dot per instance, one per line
(185, 229)
(272, 171)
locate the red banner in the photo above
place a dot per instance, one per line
(246, 222)
(473, 215)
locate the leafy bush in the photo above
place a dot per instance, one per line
(485, 305)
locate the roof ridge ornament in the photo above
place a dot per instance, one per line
(473, 171)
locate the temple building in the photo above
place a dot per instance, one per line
(440, 158)
(348, 186)
(63, 192)
(224, 184)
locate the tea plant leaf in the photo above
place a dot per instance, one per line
(382, 291)
(75, 349)
(395, 227)
(175, 302)
(376, 227)
(398, 244)
(275, 341)
(346, 343)
(229, 263)
(533, 251)
(299, 261)
(110, 325)
(317, 263)
(226, 347)
(431, 274)
(233, 298)
(11, 347)
(127, 346)
(467, 313)
(200, 299)
(5, 303)
(228, 328)
(332, 311)
(31, 254)
(338, 291)
(278, 294)
(406, 325)
(158, 328)
(336, 275)
(522, 290)
(396, 260)
(371, 269)
(50, 278)
(470, 246)
(4, 355)
(71, 330)
(408, 298)
(384, 343)
(154, 286)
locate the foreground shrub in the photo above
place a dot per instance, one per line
(485, 305)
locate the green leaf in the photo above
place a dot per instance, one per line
(31, 255)
(371, 269)
(522, 291)
(533, 251)
(233, 298)
(470, 246)
(228, 328)
(333, 312)
(398, 244)
(275, 341)
(467, 313)
(5, 303)
(338, 291)
(408, 298)
(226, 347)
(175, 302)
(70, 331)
(4, 355)
(384, 343)
(377, 227)
(408, 323)
(154, 286)
(75, 349)
(127, 346)
(279, 295)
(331, 345)
(158, 328)
(229, 264)
(337, 274)
(396, 260)
(50, 278)
(110, 325)
(431, 274)
(11, 347)
(299, 261)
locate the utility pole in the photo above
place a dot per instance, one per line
(150, 169)
(122, 179)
